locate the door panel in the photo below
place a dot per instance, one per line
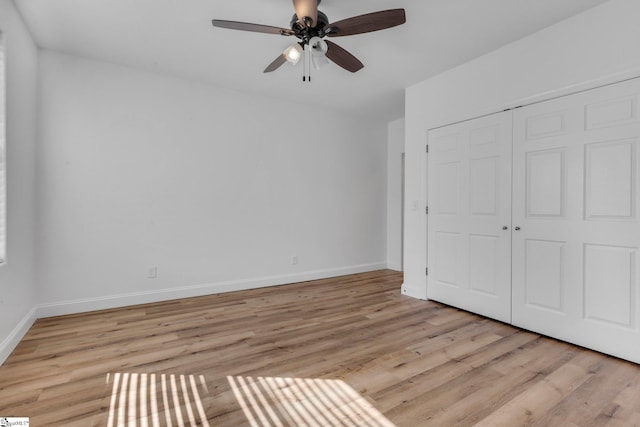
(469, 204)
(484, 191)
(610, 180)
(546, 183)
(483, 264)
(448, 196)
(575, 257)
(447, 258)
(544, 279)
(608, 284)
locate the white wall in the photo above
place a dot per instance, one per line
(395, 151)
(216, 188)
(16, 276)
(599, 46)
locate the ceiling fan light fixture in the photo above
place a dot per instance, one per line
(293, 53)
(318, 48)
(319, 61)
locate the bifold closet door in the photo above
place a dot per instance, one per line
(469, 221)
(576, 235)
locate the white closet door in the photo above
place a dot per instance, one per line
(575, 200)
(469, 215)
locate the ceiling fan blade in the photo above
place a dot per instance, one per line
(343, 58)
(306, 9)
(366, 23)
(256, 28)
(276, 64)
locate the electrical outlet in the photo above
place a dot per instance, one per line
(152, 273)
(294, 260)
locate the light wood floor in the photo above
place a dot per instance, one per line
(343, 351)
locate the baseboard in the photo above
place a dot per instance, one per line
(395, 266)
(13, 339)
(135, 298)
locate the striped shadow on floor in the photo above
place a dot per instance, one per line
(280, 402)
(153, 400)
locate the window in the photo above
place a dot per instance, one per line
(3, 158)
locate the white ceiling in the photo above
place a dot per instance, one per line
(176, 37)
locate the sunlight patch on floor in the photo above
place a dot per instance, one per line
(281, 402)
(154, 400)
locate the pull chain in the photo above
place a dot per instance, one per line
(306, 69)
(308, 58)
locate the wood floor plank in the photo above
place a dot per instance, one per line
(344, 351)
(532, 405)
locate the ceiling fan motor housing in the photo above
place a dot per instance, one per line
(305, 33)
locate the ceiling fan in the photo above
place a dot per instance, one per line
(311, 26)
